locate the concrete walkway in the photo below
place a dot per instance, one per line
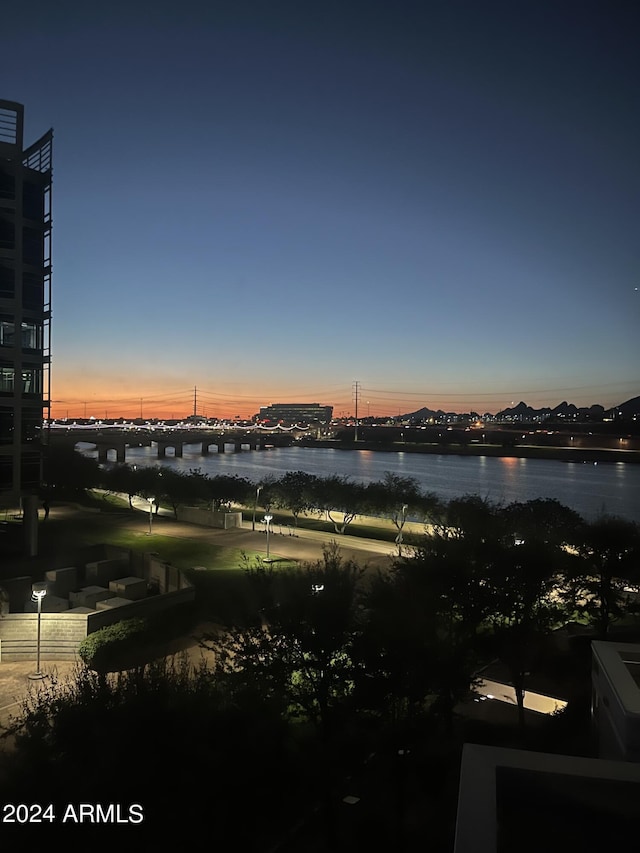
(285, 542)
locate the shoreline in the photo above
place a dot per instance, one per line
(558, 454)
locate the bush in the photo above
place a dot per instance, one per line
(110, 648)
(101, 650)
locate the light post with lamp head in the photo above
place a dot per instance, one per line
(400, 525)
(255, 504)
(267, 521)
(151, 503)
(38, 592)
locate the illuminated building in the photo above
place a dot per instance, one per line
(296, 413)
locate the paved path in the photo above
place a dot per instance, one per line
(284, 541)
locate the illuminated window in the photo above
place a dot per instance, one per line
(6, 379)
(31, 335)
(32, 381)
(7, 331)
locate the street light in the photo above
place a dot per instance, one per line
(405, 507)
(151, 503)
(267, 520)
(38, 592)
(255, 504)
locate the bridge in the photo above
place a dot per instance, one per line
(112, 441)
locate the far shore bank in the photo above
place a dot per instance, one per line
(559, 454)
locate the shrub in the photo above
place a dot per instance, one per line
(101, 650)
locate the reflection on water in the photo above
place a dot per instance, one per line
(589, 489)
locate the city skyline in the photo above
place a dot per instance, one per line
(191, 401)
(271, 202)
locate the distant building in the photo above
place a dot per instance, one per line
(295, 413)
(25, 294)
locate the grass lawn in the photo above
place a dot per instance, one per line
(60, 539)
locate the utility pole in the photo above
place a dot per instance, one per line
(195, 401)
(356, 394)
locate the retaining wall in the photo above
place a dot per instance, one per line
(61, 633)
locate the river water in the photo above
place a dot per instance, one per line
(612, 488)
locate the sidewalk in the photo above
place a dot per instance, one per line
(285, 541)
(15, 684)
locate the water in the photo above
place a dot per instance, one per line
(590, 489)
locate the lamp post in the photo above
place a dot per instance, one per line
(151, 503)
(255, 504)
(267, 519)
(403, 517)
(38, 592)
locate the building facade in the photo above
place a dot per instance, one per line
(25, 308)
(295, 413)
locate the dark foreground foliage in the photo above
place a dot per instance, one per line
(166, 737)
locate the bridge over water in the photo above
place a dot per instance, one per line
(116, 441)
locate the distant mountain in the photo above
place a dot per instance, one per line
(523, 412)
(629, 409)
(424, 414)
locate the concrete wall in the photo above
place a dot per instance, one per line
(615, 700)
(60, 636)
(61, 633)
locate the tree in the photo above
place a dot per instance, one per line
(224, 490)
(543, 519)
(68, 471)
(609, 550)
(174, 486)
(300, 654)
(339, 495)
(148, 483)
(523, 580)
(470, 517)
(424, 618)
(295, 492)
(120, 479)
(395, 497)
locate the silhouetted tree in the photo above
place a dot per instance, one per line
(295, 492)
(175, 487)
(395, 497)
(67, 471)
(300, 654)
(610, 554)
(523, 581)
(120, 479)
(337, 495)
(224, 490)
(543, 519)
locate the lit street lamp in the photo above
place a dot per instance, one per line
(255, 504)
(267, 520)
(38, 592)
(151, 503)
(399, 537)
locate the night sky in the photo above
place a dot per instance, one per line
(272, 200)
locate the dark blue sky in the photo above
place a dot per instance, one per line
(271, 200)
